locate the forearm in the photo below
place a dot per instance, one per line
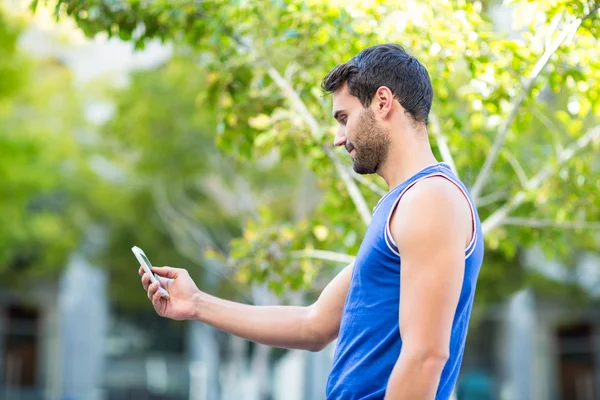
(415, 377)
(279, 326)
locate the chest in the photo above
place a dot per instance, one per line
(376, 273)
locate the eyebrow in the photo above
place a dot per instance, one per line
(337, 114)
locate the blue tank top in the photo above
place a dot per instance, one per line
(369, 342)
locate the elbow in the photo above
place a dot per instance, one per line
(319, 339)
(318, 344)
(316, 347)
(430, 358)
(433, 360)
(319, 333)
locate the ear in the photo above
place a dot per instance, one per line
(383, 101)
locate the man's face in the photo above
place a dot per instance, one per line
(359, 132)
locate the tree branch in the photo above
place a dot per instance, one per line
(324, 255)
(190, 240)
(355, 194)
(518, 169)
(505, 128)
(442, 142)
(592, 11)
(309, 119)
(550, 127)
(298, 104)
(492, 198)
(371, 185)
(545, 223)
(500, 215)
(180, 227)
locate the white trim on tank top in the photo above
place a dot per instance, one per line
(385, 196)
(388, 235)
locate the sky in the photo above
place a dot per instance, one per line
(89, 59)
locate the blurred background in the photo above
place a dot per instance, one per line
(198, 131)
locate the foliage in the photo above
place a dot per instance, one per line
(41, 167)
(171, 190)
(518, 110)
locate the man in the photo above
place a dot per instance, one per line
(401, 311)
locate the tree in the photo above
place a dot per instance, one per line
(172, 184)
(41, 168)
(175, 193)
(516, 114)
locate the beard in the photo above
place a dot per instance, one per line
(370, 144)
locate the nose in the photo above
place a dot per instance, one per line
(340, 137)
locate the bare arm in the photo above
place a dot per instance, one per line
(431, 227)
(308, 328)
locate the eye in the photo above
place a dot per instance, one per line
(343, 120)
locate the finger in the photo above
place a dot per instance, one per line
(145, 281)
(165, 282)
(152, 290)
(156, 300)
(166, 272)
(141, 271)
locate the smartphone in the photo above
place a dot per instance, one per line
(145, 263)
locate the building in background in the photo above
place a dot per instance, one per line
(67, 342)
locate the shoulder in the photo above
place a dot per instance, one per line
(433, 209)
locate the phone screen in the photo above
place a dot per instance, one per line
(146, 260)
(141, 256)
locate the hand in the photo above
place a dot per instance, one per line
(182, 302)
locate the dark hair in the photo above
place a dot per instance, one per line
(385, 65)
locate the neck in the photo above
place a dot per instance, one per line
(406, 159)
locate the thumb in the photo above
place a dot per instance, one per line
(166, 272)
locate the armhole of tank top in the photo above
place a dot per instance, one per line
(388, 234)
